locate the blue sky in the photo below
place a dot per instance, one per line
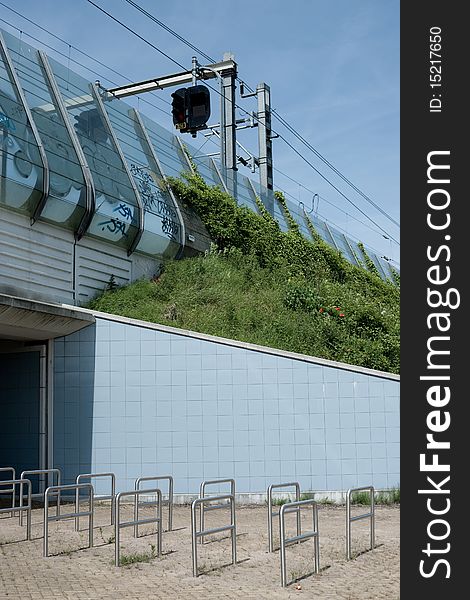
(333, 69)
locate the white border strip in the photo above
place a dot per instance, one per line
(235, 343)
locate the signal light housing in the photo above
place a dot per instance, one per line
(191, 108)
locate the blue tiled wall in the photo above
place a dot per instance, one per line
(139, 401)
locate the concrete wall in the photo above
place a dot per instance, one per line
(139, 399)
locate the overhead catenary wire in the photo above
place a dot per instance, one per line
(70, 59)
(325, 200)
(171, 31)
(332, 167)
(70, 46)
(276, 114)
(287, 142)
(182, 66)
(116, 20)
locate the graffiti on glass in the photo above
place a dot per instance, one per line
(119, 223)
(152, 199)
(114, 226)
(124, 210)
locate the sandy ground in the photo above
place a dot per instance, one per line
(74, 573)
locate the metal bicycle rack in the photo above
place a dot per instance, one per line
(112, 476)
(272, 514)
(202, 494)
(201, 533)
(27, 508)
(370, 515)
(56, 489)
(12, 489)
(295, 507)
(170, 499)
(55, 472)
(118, 525)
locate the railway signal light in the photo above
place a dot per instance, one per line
(191, 108)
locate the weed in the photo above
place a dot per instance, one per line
(112, 284)
(280, 501)
(387, 497)
(326, 501)
(391, 496)
(137, 557)
(360, 498)
(294, 575)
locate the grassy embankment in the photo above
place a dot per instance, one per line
(273, 288)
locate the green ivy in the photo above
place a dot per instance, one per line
(262, 285)
(311, 227)
(368, 261)
(291, 222)
(396, 277)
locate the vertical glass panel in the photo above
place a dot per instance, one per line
(279, 216)
(162, 234)
(67, 194)
(386, 268)
(358, 252)
(341, 243)
(167, 148)
(376, 261)
(245, 193)
(207, 171)
(21, 168)
(266, 196)
(393, 269)
(373, 258)
(321, 229)
(116, 217)
(354, 251)
(297, 214)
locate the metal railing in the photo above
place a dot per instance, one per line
(272, 514)
(370, 515)
(27, 508)
(118, 525)
(202, 494)
(170, 499)
(12, 489)
(295, 507)
(56, 489)
(55, 472)
(195, 534)
(112, 476)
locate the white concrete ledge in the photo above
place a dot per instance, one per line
(237, 344)
(256, 499)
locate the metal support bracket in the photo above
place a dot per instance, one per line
(89, 184)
